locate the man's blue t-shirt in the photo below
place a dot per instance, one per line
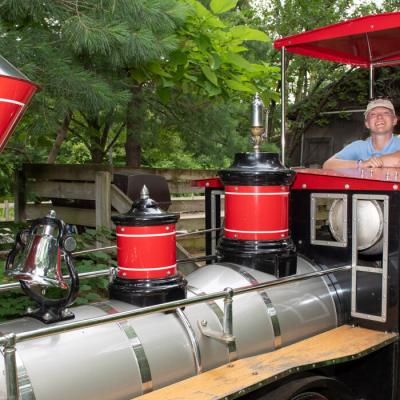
(364, 149)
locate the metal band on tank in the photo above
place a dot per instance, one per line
(220, 315)
(136, 345)
(271, 310)
(193, 340)
(24, 383)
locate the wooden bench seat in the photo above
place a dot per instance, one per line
(335, 346)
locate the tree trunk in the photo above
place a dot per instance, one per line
(134, 124)
(60, 137)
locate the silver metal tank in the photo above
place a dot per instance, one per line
(369, 225)
(126, 359)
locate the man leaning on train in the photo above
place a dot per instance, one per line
(381, 149)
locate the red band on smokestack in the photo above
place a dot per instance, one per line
(146, 252)
(15, 94)
(256, 212)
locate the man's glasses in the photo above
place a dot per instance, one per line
(384, 114)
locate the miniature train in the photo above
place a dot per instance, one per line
(321, 248)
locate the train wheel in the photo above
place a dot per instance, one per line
(310, 388)
(310, 396)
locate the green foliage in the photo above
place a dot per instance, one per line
(208, 61)
(221, 6)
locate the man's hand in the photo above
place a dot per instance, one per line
(391, 160)
(373, 162)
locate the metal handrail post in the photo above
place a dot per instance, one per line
(10, 363)
(371, 81)
(228, 314)
(283, 98)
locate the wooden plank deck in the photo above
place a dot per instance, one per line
(335, 346)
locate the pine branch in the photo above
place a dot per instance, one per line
(115, 138)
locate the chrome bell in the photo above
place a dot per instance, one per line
(39, 262)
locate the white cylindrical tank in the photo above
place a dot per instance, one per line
(122, 360)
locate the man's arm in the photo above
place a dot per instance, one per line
(391, 160)
(373, 162)
(345, 158)
(335, 162)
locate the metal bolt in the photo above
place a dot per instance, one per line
(236, 188)
(167, 228)
(304, 186)
(69, 244)
(346, 186)
(395, 187)
(203, 322)
(46, 316)
(65, 312)
(207, 184)
(30, 310)
(122, 229)
(254, 373)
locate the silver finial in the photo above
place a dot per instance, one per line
(144, 193)
(257, 108)
(51, 214)
(257, 122)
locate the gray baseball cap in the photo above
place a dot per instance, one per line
(379, 103)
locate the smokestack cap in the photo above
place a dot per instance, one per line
(145, 212)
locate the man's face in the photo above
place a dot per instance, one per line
(380, 121)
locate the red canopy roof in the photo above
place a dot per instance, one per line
(374, 39)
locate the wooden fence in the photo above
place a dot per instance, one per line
(95, 182)
(6, 211)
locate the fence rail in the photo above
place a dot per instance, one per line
(6, 211)
(95, 183)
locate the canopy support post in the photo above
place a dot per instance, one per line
(371, 81)
(283, 98)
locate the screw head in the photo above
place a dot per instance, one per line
(203, 322)
(69, 244)
(46, 316)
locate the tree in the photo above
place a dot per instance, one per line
(100, 62)
(208, 63)
(80, 52)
